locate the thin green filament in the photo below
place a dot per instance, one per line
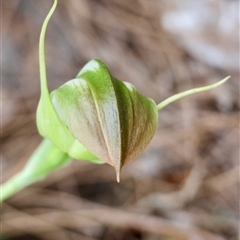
(42, 61)
(189, 92)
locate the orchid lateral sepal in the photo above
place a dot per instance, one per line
(178, 96)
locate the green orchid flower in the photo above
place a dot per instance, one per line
(93, 117)
(99, 113)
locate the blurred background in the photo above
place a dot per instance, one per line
(185, 185)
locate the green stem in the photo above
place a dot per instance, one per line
(42, 64)
(44, 160)
(189, 92)
(12, 186)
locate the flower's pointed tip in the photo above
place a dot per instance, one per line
(118, 173)
(118, 176)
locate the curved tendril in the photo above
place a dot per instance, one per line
(42, 62)
(189, 92)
